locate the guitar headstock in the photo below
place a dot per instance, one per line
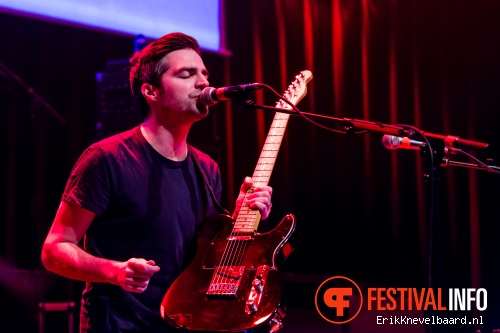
(296, 90)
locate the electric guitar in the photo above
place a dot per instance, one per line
(233, 284)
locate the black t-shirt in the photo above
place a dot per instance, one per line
(146, 206)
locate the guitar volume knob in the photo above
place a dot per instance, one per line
(257, 284)
(252, 306)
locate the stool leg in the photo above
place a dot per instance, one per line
(70, 320)
(41, 318)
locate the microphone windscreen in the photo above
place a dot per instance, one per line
(205, 96)
(391, 141)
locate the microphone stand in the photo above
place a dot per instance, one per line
(434, 161)
(350, 124)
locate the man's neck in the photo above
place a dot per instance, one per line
(171, 143)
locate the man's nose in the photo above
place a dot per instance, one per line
(202, 81)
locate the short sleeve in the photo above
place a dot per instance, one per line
(89, 185)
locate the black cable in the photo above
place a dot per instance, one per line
(432, 179)
(484, 165)
(294, 107)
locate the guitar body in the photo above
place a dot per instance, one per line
(188, 305)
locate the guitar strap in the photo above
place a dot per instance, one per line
(196, 159)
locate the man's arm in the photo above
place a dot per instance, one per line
(62, 255)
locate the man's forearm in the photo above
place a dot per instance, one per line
(71, 261)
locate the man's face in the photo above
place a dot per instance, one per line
(181, 85)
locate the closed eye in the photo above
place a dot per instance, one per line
(186, 73)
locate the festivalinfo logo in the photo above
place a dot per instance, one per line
(339, 300)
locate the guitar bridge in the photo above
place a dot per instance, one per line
(226, 281)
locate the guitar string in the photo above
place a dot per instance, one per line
(235, 249)
(262, 175)
(227, 262)
(228, 256)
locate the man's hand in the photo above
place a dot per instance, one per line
(134, 274)
(259, 199)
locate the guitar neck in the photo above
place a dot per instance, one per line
(269, 153)
(248, 220)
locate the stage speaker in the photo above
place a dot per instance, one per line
(117, 109)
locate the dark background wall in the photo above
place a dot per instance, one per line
(363, 211)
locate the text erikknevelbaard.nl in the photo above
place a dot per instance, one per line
(432, 320)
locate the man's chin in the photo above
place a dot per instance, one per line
(202, 110)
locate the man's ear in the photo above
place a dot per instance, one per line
(149, 92)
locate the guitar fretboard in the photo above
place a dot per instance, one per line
(248, 220)
(267, 159)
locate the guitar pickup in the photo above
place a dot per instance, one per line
(226, 281)
(255, 295)
(232, 272)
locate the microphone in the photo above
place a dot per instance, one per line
(395, 142)
(210, 95)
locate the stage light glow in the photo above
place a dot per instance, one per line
(152, 18)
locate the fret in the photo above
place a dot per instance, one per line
(245, 221)
(244, 229)
(262, 174)
(280, 131)
(265, 167)
(245, 210)
(246, 218)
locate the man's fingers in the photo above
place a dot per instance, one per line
(247, 183)
(141, 265)
(136, 280)
(136, 287)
